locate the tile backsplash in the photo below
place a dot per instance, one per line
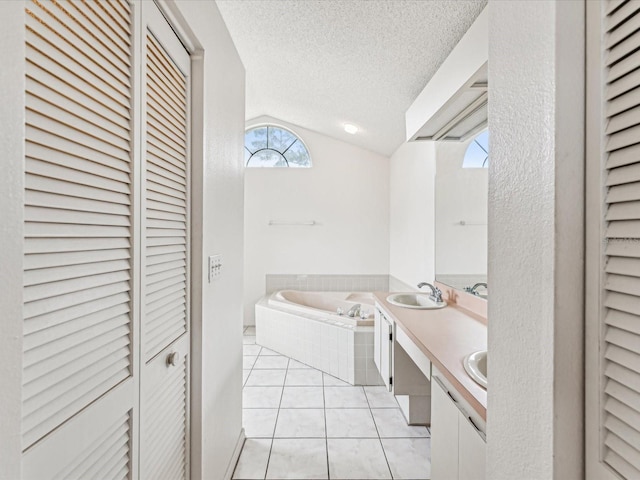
(327, 283)
(460, 281)
(396, 285)
(357, 283)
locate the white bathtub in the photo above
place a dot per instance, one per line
(326, 305)
(306, 327)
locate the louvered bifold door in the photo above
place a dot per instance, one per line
(165, 247)
(78, 374)
(620, 317)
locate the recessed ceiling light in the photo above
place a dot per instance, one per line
(352, 129)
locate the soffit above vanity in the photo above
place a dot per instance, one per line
(454, 104)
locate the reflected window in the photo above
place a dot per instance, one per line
(477, 154)
(269, 146)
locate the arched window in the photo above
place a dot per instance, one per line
(477, 154)
(271, 146)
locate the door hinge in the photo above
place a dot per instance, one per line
(390, 337)
(390, 380)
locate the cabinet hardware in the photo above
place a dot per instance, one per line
(390, 337)
(474, 425)
(451, 397)
(172, 359)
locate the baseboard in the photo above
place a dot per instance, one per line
(235, 456)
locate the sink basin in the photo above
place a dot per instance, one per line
(414, 300)
(475, 365)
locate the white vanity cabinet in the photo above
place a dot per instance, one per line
(383, 347)
(405, 370)
(472, 451)
(444, 434)
(458, 447)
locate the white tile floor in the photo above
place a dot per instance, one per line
(301, 423)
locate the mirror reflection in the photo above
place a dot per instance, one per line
(461, 213)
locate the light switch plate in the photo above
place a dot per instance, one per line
(215, 267)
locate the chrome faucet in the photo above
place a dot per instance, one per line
(354, 311)
(474, 290)
(436, 293)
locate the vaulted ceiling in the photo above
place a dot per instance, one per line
(322, 63)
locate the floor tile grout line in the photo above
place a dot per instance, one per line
(323, 386)
(326, 432)
(273, 435)
(243, 386)
(344, 438)
(378, 432)
(274, 426)
(252, 365)
(360, 437)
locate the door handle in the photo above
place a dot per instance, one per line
(172, 359)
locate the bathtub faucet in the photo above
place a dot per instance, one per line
(436, 293)
(354, 311)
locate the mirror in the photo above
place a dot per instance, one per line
(461, 213)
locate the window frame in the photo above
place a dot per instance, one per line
(474, 140)
(279, 127)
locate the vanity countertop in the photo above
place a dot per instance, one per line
(446, 336)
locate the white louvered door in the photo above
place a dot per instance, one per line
(613, 241)
(165, 253)
(79, 367)
(106, 329)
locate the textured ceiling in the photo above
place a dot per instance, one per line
(322, 63)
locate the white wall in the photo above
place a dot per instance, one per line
(217, 182)
(346, 192)
(218, 228)
(461, 195)
(536, 117)
(12, 51)
(411, 200)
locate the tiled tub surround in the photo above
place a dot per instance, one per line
(301, 423)
(331, 343)
(326, 283)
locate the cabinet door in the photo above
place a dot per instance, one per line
(444, 434)
(386, 367)
(376, 337)
(472, 451)
(164, 399)
(382, 350)
(79, 361)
